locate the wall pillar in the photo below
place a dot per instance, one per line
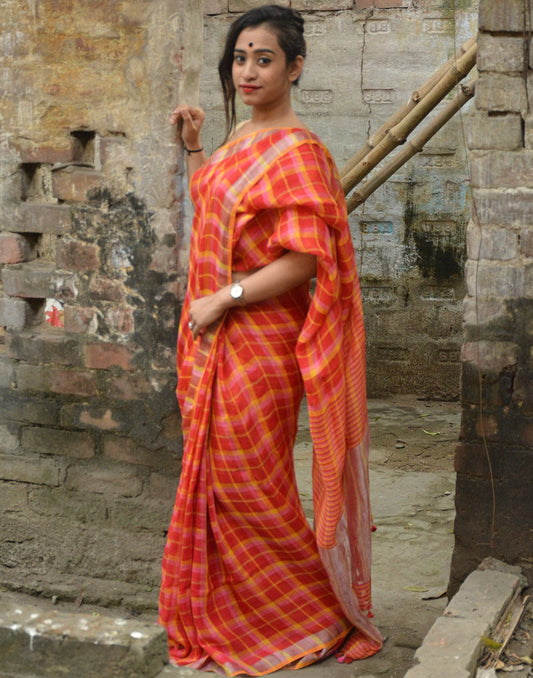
(494, 460)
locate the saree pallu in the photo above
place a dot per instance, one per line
(247, 586)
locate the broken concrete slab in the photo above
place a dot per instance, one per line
(453, 645)
(486, 673)
(50, 643)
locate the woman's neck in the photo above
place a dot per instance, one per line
(281, 117)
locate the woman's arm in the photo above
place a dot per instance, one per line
(290, 270)
(190, 120)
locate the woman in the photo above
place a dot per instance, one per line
(247, 586)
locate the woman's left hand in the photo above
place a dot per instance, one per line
(205, 310)
(290, 270)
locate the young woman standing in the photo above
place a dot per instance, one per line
(248, 586)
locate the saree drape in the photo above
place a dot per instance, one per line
(247, 585)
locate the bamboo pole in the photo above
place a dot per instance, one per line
(505, 629)
(397, 134)
(416, 96)
(413, 146)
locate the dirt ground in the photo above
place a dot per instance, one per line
(412, 434)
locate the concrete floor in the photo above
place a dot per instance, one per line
(412, 491)
(412, 487)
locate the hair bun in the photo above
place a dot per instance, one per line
(299, 20)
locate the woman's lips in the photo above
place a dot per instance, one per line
(249, 88)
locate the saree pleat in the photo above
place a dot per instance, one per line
(247, 585)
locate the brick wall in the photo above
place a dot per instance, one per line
(365, 59)
(93, 251)
(494, 460)
(91, 265)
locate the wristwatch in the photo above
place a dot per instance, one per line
(237, 292)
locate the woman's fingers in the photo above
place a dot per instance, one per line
(188, 114)
(195, 328)
(189, 120)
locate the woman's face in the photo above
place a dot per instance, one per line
(260, 71)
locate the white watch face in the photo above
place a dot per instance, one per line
(236, 291)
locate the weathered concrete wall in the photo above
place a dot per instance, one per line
(90, 238)
(494, 461)
(365, 59)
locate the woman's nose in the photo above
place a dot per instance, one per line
(249, 71)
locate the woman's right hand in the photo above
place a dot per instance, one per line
(190, 119)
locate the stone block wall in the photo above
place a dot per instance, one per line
(494, 459)
(365, 59)
(92, 270)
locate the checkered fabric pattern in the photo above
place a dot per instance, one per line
(247, 586)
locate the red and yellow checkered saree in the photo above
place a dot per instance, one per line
(247, 586)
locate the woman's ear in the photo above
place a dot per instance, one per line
(296, 68)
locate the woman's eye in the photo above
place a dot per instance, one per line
(238, 59)
(263, 61)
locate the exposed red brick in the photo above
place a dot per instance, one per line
(120, 319)
(104, 355)
(106, 289)
(56, 379)
(14, 248)
(46, 154)
(73, 183)
(80, 319)
(74, 255)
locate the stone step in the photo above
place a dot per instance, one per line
(453, 645)
(36, 641)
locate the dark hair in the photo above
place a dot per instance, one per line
(287, 24)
